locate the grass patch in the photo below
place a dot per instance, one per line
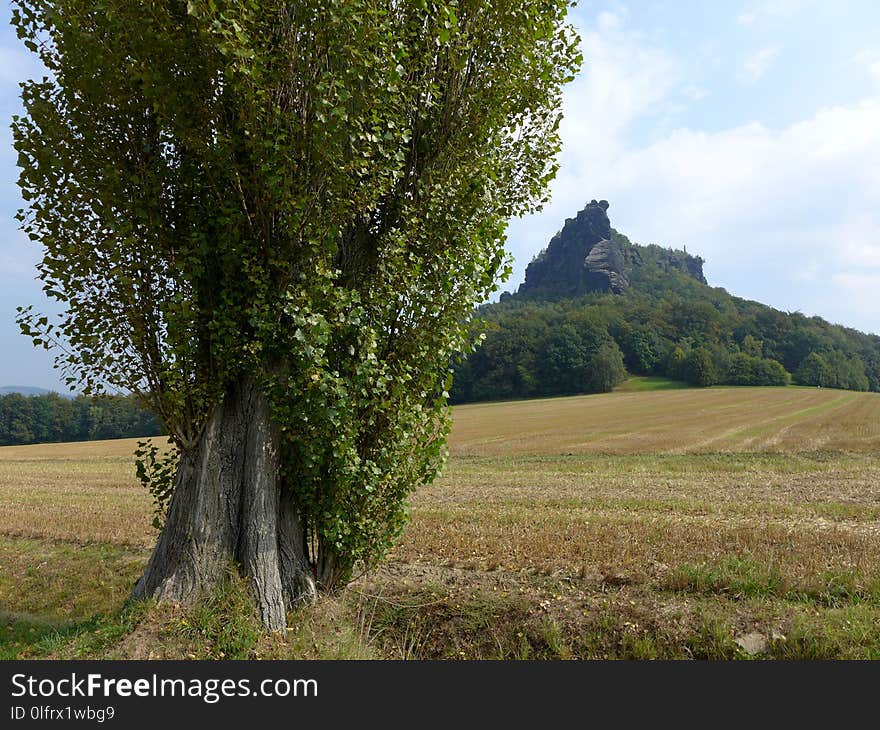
(19, 633)
(224, 625)
(60, 581)
(852, 632)
(649, 383)
(90, 639)
(431, 623)
(732, 576)
(791, 418)
(743, 578)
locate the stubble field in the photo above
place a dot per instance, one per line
(720, 523)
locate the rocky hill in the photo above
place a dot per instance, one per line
(595, 306)
(588, 257)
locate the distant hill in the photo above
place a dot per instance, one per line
(29, 390)
(595, 308)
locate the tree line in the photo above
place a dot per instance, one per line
(667, 324)
(38, 419)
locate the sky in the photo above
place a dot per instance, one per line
(748, 132)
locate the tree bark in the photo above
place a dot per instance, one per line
(331, 573)
(229, 506)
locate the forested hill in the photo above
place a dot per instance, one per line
(595, 306)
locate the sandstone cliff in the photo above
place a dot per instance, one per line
(589, 256)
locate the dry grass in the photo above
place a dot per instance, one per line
(75, 492)
(637, 518)
(633, 524)
(675, 421)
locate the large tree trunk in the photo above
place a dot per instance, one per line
(228, 506)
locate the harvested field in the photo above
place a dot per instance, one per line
(674, 421)
(637, 524)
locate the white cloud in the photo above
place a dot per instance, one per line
(868, 60)
(759, 63)
(788, 216)
(859, 239)
(764, 11)
(624, 79)
(850, 291)
(18, 64)
(18, 257)
(867, 284)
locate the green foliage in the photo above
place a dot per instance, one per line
(814, 370)
(315, 194)
(832, 370)
(531, 349)
(606, 369)
(155, 471)
(745, 369)
(699, 368)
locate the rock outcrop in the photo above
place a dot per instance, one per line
(564, 268)
(588, 256)
(606, 264)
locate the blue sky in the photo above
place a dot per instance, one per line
(747, 131)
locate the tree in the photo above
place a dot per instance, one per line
(745, 369)
(677, 362)
(848, 371)
(16, 420)
(606, 369)
(271, 221)
(640, 348)
(752, 346)
(699, 368)
(564, 362)
(814, 370)
(771, 372)
(872, 369)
